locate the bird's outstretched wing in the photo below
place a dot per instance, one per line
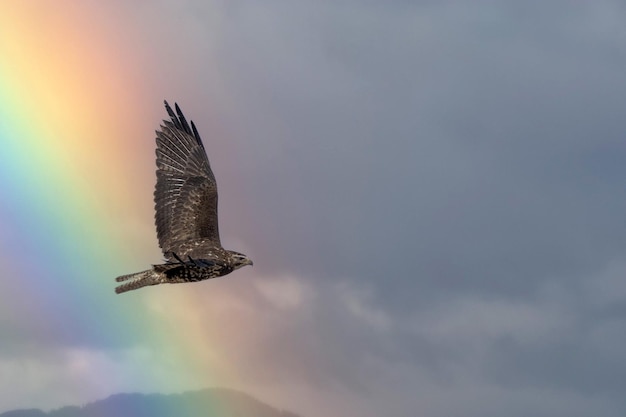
(186, 192)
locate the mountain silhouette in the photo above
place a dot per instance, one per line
(210, 402)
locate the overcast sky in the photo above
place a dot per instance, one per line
(433, 194)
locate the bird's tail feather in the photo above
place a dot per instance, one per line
(138, 280)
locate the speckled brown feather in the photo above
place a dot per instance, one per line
(186, 192)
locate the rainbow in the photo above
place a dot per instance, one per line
(76, 177)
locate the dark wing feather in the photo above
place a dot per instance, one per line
(186, 192)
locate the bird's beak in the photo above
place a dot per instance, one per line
(249, 262)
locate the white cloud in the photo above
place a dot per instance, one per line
(75, 376)
(359, 302)
(474, 320)
(285, 293)
(608, 286)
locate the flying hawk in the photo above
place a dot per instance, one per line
(186, 212)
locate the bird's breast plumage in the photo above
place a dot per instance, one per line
(192, 271)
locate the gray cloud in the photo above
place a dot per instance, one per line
(450, 146)
(462, 162)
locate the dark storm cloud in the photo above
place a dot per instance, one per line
(465, 147)
(462, 162)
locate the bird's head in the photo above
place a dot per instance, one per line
(239, 259)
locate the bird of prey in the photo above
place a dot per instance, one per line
(186, 212)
